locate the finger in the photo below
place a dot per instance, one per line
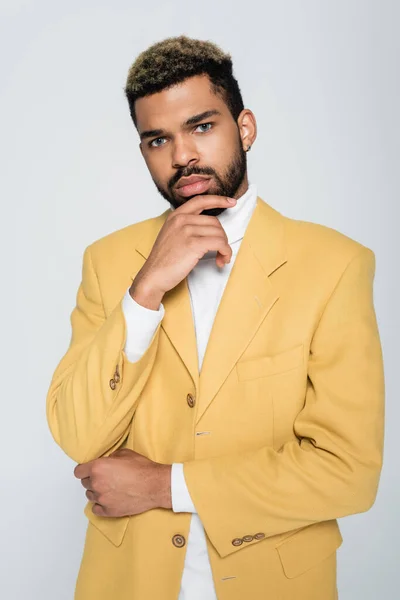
(86, 482)
(193, 230)
(98, 509)
(91, 495)
(216, 243)
(198, 203)
(83, 470)
(203, 220)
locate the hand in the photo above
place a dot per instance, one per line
(125, 483)
(183, 239)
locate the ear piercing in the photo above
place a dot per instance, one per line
(248, 148)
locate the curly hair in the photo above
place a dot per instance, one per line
(173, 60)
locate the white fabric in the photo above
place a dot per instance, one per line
(141, 324)
(206, 283)
(181, 499)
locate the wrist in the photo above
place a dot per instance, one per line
(145, 293)
(164, 497)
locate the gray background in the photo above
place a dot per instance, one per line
(323, 81)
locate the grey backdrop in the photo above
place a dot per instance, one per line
(322, 78)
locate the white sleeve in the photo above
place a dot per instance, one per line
(181, 500)
(141, 323)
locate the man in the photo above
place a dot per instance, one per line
(225, 406)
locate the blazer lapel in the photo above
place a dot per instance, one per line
(247, 299)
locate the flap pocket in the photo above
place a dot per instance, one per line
(113, 528)
(270, 364)
(309, 546)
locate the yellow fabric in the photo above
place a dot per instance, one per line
(291, 391)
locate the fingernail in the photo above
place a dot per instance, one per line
(232, 200)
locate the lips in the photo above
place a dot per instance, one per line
(189, 180)
(200, 186)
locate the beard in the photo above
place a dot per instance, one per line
(226, 185)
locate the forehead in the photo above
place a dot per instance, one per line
(171, 107)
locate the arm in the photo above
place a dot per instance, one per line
(333, 468)
(92, 396)
(141, 324)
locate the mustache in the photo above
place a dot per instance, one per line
(188, 173)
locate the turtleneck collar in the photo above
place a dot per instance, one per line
(235, 220)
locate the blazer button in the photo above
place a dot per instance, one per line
(248, 538)
(190, 400)
(237, 542)
(178, 540)
(113, 384)
(116, 375)
(259, 536)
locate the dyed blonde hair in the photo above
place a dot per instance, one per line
(173, 60)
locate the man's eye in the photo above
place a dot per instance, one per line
(205, 125)
(156, 140)
(154, 144)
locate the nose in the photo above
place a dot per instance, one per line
(183, 152)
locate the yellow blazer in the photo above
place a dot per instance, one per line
(291, 393)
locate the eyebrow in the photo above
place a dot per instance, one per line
(191, 121)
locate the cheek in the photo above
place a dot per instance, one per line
(158, 169)
(218, 146)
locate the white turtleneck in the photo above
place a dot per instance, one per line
(206, 283)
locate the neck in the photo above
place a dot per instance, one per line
(242, 189)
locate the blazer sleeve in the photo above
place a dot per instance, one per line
(333, 467)
(94, 390)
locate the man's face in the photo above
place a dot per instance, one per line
(209, 145)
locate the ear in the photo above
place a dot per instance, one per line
(247, 128)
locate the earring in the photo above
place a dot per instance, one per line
(248, 148)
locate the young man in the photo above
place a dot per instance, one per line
(223, 390)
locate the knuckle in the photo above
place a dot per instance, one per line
(93, 483)
(107, 512)
(192, 243)
(98, 509)
(100, 499)
(187, 229)
(180, 219)
(96, 469)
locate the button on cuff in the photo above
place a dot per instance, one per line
(237, 542)
(248, 538)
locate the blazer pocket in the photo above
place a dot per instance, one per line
(114, 528)
(308, 547)
(270, 364)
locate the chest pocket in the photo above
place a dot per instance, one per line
(265, 366)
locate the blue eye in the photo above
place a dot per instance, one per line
(203, 125)
(156, 145)
(152, 144)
